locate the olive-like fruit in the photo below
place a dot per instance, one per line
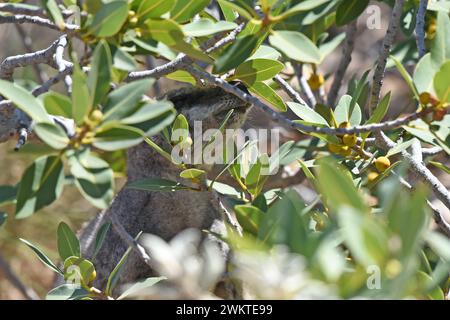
(382, 163)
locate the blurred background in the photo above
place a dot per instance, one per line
(71, 208)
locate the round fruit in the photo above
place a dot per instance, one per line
(372, 176)
(344, 125)
(345, 151)
(315, 81)
(424, 98)
(96, 116)
(334, 148)
(93, 276)
(349, 139)
(382, 163)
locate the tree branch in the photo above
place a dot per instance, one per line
(27, 292)
(20, 19)
(378, 76)
(420, 27)
(347, 51)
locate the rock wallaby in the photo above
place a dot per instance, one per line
(164, 214)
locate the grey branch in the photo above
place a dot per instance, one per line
(378, 75)
(418, 168)
(42, 56)
(27, 292)
(347, 51)
(307, 129)
(306, 89)
(294, 95)
(182, 59)
(20, 19)
(420, 27)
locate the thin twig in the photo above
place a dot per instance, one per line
(20, 19)
(27, 292)
(420, 27)
(294, 95)
(347, 51)
(378, 75)
(303, 83)
(299, 126)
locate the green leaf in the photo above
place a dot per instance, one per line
(45, 260)
(78, 271)
(379, 113)
(140, 285)
(170, 33)
(306, 113)
(93, 177)
(205, 27)
(236, 53)
(337, 187)
(68, 244)
(286, 223)
(296, 46)
(267, 93)
(3, 218)
(7, 194)
(440, 166)
(67, 292)
(342, 111)
(184, 10)
(307, 5)
(154, 8)
(122, 60)
(349, 10)
(100, 238)
(109, 19)
(99, 77)
(399, 147)
(118, 269)
(424, 74)
(52, 134)
(156, 184)
(406, 76)
(41, 184)
(122, 101)
(441, 83)
(258, 70)
(81, 101)
(24, 100)
(182, 76)
(440, 244)
(266, 52)
(249, 217)
(440, 47)
(57, 104)
(52, 7)
(192, 173)
(366, 239)
(243, 12)
(149, 111)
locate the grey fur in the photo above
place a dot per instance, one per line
(161, 213)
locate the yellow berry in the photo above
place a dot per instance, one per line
(344, 125)
(334, 148)
(93, 276)
(382, 163)
(131, 13)
(138, 32)
(134, 20)
(188, 141)
(424, 98)
(349, 139)
(372, 176)
(96, 116)
(345, 151)
(315, 81)
(431, 30)
(393, 268)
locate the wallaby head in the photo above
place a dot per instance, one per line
(210, 105)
